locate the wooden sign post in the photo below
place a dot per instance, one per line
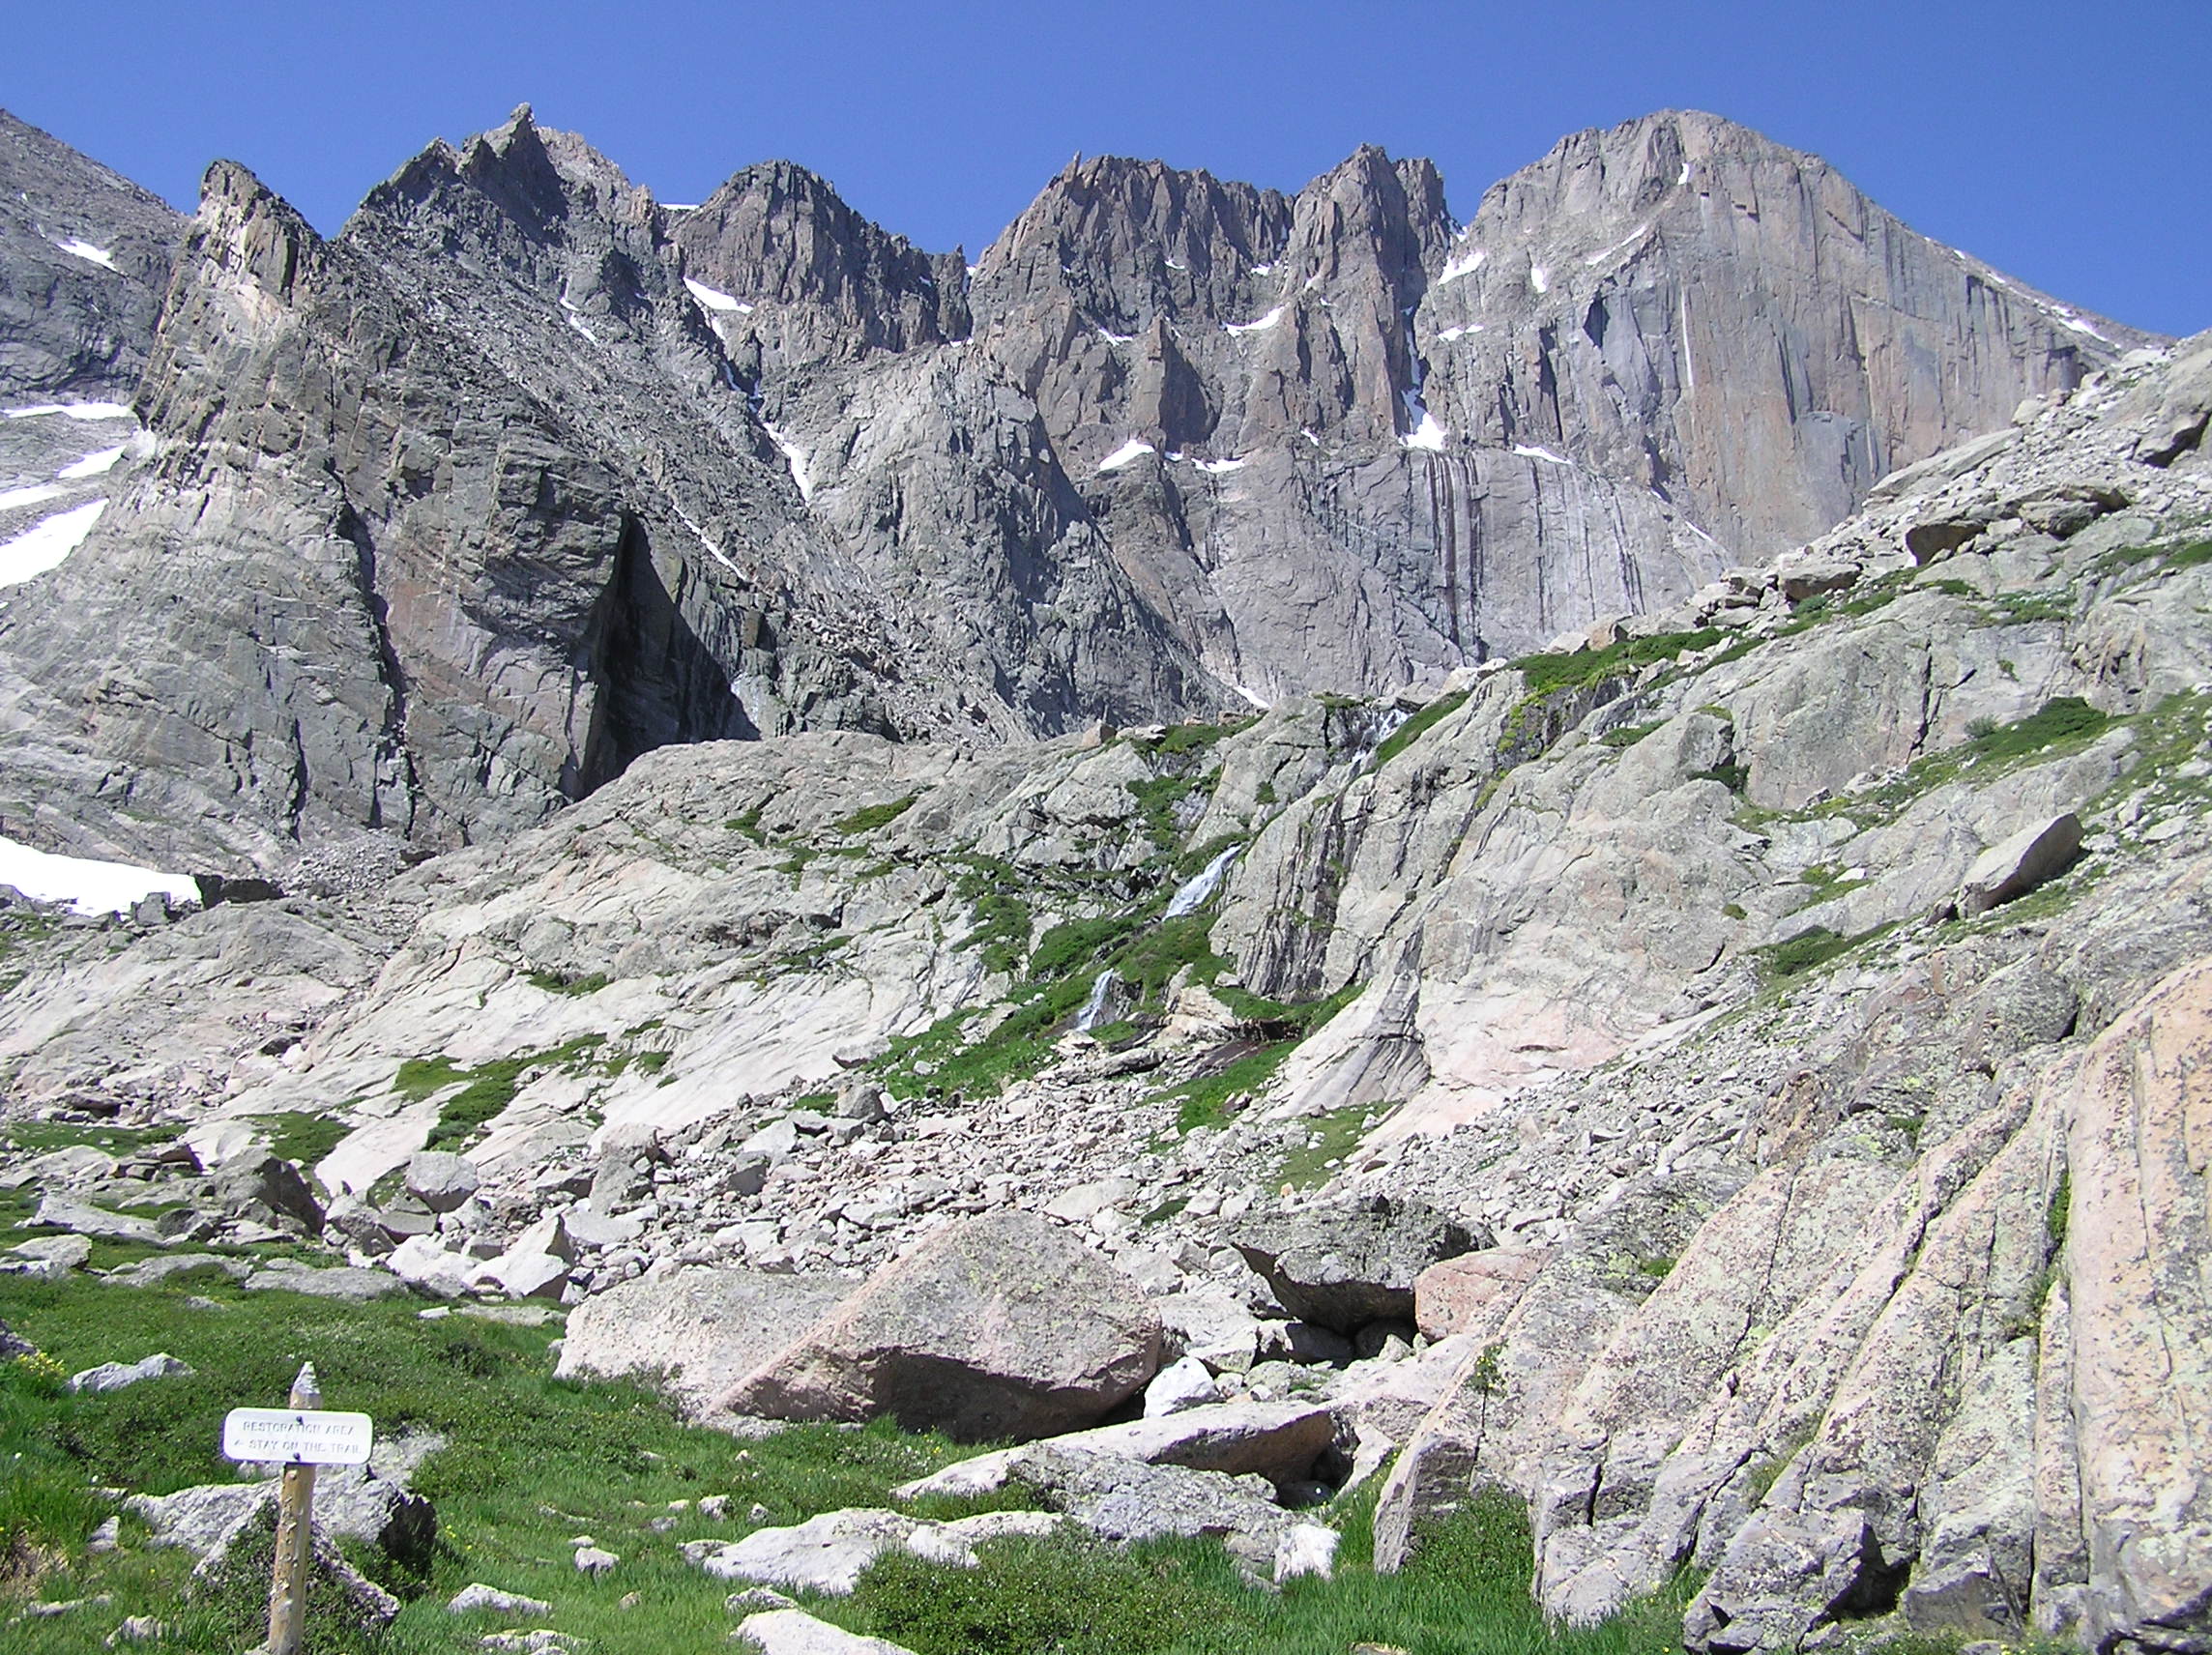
(301, 1438)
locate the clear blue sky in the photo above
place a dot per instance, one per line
(2062, 142)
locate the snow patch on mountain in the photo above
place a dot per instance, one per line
(87, 886)
(46, 544)
(86, 251)
(1127, 454)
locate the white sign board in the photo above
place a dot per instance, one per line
(296, 1437)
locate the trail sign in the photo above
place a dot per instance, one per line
(297, 1436)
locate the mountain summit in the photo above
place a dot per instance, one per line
(526, 473)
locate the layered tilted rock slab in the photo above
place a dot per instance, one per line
(84, 259)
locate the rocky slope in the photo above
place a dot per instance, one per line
(435, 526)
(84, 259)
(1769, 1026)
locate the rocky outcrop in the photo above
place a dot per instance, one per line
(794, 276)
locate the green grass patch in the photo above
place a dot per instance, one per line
(2169, 554)
(1546, 675)
(1419, 725)
(568, 982)
(1628, 735)
(2067, 719)
(1814, 948)
(44, 1137)
(295, 1135)
(486, 1088)
(1075, 945)
(1211, 1099)
(1179, 740)
(1329, 1138)
(1160, 801)
(869, 817)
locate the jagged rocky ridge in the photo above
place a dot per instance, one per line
(1836, 1232)
(438, 523)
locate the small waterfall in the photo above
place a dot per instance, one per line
(1201, 885)
(1392, 722)
(1086, 1019)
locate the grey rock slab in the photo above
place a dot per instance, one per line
(1084, 1201)
(1279, 1440)
(825, 1554)
(590, 1228)
(794, 1632)
(78, 1163)
(198, 1519)
(82, 1219)
(60, 1253)
(1127, 1501)
(116, 1376)
(479, 1598)
(146, 1272)
(440, 1180)
(341, 1282)
(521, 1274)
(997, 1326)
(536, 1640)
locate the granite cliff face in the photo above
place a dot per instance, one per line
(482, 511)
(438, 523)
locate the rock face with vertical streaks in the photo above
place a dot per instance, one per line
(437, 524)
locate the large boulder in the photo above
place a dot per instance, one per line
(996, 1327)
(269, 1189)
(698, 1332)
(2016, 865)
(1349, 1265)
(441, 1181)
